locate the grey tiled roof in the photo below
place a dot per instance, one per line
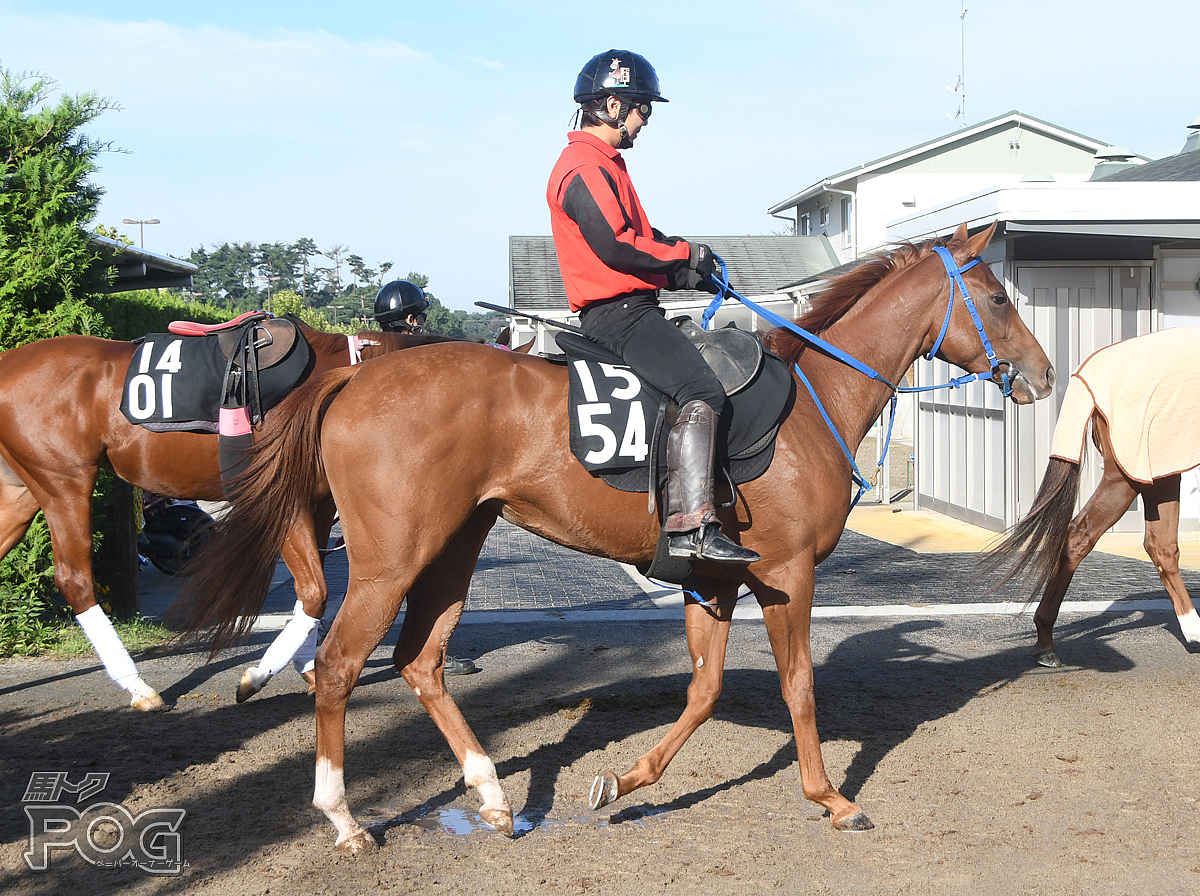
(757, 265)
(1185, 166)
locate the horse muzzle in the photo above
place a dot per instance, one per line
(1022, 390)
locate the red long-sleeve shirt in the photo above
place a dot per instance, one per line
(605, 244)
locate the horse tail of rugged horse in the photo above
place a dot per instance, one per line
(231, 575)
(1031, 549)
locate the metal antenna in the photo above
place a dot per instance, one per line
(961, 86)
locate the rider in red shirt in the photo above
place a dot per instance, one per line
(614, 263)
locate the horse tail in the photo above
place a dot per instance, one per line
(231, 574)
(1031, 549)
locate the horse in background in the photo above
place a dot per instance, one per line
(1139, 397)
(480, 434)
(61, 422)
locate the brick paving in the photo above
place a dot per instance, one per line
(521, 571)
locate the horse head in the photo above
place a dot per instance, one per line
(988, 333)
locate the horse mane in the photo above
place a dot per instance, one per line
(845, 289)
(375, 342)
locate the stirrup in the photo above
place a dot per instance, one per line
(710, 543)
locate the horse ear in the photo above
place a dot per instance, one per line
(960, 234)
(977, 243)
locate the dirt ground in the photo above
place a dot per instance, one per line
(982, 772)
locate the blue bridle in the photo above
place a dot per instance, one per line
(954, 272)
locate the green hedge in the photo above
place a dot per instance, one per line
(133, 314)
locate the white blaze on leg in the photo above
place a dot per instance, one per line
(479, 772)
(1190, 624)
(329, 796)
(289, 641)
(117, 662)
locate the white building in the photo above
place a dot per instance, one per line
(1087, 264)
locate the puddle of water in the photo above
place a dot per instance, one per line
(461, 822)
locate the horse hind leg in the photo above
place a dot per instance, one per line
(435, 604)
(1161, 500)
(372, 602)
(1111, 499)
(707, 637)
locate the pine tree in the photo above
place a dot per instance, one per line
(47, 268)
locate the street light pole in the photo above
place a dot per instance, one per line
(141, 227)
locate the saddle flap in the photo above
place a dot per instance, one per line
(272, 340)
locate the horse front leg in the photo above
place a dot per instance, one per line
(68, 516)
(787, 612)
(707, 638)
(1161, 500)
(435, 605)
(1110, 500)
(297, 642)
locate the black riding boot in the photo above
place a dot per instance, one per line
(691, 515)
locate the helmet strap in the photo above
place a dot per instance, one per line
(618, 122)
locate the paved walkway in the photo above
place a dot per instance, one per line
(890, 561)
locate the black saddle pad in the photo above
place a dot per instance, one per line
(176, 382)
(613, 416)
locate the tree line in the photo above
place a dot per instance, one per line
(335, 282)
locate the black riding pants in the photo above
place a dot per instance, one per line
(636, 328)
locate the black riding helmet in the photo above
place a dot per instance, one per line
(620, 73)
(627, 76)
(396, 301)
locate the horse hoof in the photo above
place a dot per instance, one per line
(362, 842)
(500, 819)
(604, 790)
(252, 682)
(311, 677)
(856, 822)
(150, 703)
(1047, 658)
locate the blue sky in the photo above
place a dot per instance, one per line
(423, 133)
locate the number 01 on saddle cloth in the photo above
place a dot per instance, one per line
(1147, 390)
(178, 382)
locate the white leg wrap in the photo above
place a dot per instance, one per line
(288, 641)
(306, 657)
(117, 662)
(1190, 624)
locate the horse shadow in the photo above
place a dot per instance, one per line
(875, 688)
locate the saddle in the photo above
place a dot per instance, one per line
(216, 379)
(273, 336)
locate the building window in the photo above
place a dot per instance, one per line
(845, 220)
(806, 224)
(823, 216)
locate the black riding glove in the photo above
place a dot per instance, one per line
(702, 260)
(698, 273)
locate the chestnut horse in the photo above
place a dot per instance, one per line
(1160, 407)
(61, 421)
(422, 451)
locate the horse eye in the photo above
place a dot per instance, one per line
(999, 298)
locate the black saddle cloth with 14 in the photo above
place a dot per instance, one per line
(178, 382)
(615, 417)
